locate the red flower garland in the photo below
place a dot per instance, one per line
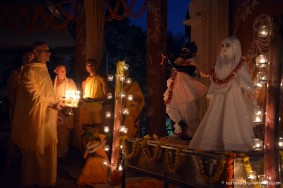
(229, 169)
(173, 76)
(229, 77)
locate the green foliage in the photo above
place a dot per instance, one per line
(126, 42)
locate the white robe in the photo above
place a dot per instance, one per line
(185, 92)
(227, 124)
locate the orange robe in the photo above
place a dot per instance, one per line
(94, 171)
(135, 107)
(89, 113)
(34, 126)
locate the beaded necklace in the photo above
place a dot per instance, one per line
(229, 77)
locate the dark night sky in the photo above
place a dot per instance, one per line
(176, 14)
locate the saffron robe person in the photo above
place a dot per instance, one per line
(62, 85)
(94, 170)
(34, 126)
(95, 91)
(227, 124)
(135, 106)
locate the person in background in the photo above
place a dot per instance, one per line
(35, 120)
(95, 91)
(62, 85)
(134, 106)
(227, 124)
(183, 90)
(94, 170)
(13, 85)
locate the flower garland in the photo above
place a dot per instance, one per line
(172, 164)
(170, 93)
(229, 77)
(229, 169)
(146, 151)
(135, 149)
(248, 167)
(217, 175)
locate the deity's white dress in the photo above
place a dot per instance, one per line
(227, 124)
(183, 91)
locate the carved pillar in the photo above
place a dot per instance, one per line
(156, 80)
(80, 46)
(271, 147)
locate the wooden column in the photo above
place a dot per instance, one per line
(156, 80)
(271, 151)
(80, 46)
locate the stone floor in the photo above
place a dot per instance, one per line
(68, 171)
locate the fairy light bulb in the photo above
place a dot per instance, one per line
(126, 67)
(125, 111)
(120, 167)
(263, 31)
(261, 61)
(110, 77)
(128, 81)
(109, 96)
(107, 148)
(106, 129)
(122, 78)
(108, 114)
(130, 97)
(123, 94)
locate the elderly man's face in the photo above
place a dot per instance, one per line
(42, 53)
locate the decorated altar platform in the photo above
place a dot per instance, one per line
(172, 162)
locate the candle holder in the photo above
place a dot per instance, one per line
(280, 143)
(257, 144)
(261, 61)
(71, 99)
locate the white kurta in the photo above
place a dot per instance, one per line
(67, 123)
(227, 125)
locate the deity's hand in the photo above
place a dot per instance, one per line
(204, 74)
(163, 57)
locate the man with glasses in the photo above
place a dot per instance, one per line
(34, 127)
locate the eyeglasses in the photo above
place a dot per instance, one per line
(44, 50)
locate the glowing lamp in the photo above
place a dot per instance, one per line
(257, 144)
(130, 97)
(125, 111)
(261, 77)
(263, 31)
(106, 148)
(263, 180)
(110, 77)
(126, 66)
(108, 114)
(106, 129)
(123, 129)
(109, 96)
(258, 114)
(122, 78)
(71, 98)
(280, 143)
(128, 81)
(261, 61)
(123, 94)
(251, 175)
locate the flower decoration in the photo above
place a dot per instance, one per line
(173, 163)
